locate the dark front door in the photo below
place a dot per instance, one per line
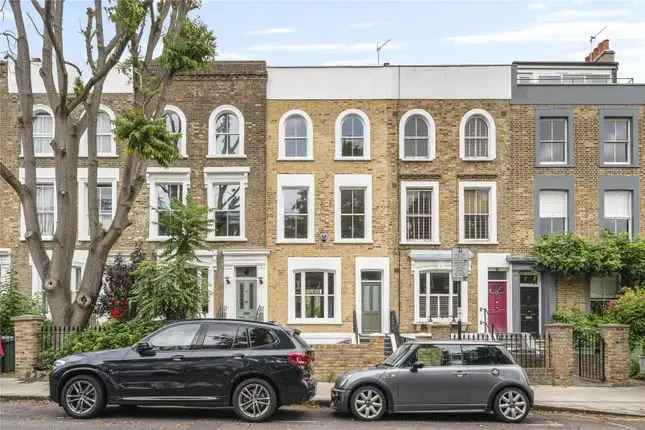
(497, 301)
(529, 310)
(371, 301)
(159, 374)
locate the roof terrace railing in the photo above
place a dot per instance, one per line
(573, 80)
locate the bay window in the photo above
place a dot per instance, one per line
(314, 295)
(437, 297)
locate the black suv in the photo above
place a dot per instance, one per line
(249, 366)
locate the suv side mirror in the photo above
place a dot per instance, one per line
(144, 348)
(416, 366)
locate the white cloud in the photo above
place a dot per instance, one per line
(321, 47)
(357, 62)
(271, 31)
(557, 32)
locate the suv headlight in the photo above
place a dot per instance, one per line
(59, 363)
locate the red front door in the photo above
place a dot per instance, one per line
(497, 305)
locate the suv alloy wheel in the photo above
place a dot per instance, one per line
(255, 400)
(368, 403)
(83, 397)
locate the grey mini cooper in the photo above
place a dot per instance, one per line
(441, 376)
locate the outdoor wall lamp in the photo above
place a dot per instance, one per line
(228, 280)
(260, 280)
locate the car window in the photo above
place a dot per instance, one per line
(482, 355)
(219, 336)
(242, 339)
(175, 337)
(436, 355)
(260, 337)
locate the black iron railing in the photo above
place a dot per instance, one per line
(54, 337)
(528, 350)
(589, 350)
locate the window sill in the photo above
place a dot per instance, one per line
(295, 242)
(106, 156)
(295, 158)
(419, 242)
(413, 159)
(620, 165)
(477, 159)
(226, 239)
(352, 159)
(553, 164)
(353, 241)
(240, 156)
(158, 238)
(315, 321)
(436, 322)
(478, 242)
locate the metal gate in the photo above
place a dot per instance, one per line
(590, 349)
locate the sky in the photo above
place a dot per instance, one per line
(297, 33)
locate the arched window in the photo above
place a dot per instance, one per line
(352, 135)
(296, 136)
(43, 130)
(227, 135)
(477, 136)
(417, 136)
(176, 123)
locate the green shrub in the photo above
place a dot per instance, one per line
(113, 334)
(13, 303)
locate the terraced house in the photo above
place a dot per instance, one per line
(352, 202)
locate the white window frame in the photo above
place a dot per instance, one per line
(566, 208)
(630, 219)
(5, 264)
(492, 208)
(313, 264)
(566, 141)
(207, 259)
(352, 181)
(492, 133)
(214, 176)
(41, 108)
(44, 175)
(432, 186)
(212, 132)
(281, 136)
(296, 180)
(104, 175)
(630, 141)
(432, 149)
(181, 144)
(366, 135)
(435, 261)
(154, 175)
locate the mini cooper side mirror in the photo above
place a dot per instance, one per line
(144, 348)
(416, 366)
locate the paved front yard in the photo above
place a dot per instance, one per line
(37, 415)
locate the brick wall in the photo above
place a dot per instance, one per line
(241, 84)
(332, 360)
(27, 331)
(616, 353)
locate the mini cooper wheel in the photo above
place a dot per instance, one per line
(367, 403)
(83, 397)
(511, 405)
(255, 400)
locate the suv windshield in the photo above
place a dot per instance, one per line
(397, 355)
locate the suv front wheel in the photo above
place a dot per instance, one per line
(83, 397)
(255, 400)
(511, 405)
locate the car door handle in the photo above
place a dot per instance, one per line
(238, 356)
(177, 357)
(459, 373)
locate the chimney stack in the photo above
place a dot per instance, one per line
(601, 54)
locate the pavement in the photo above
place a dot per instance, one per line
(39, 415)
(626, 401)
